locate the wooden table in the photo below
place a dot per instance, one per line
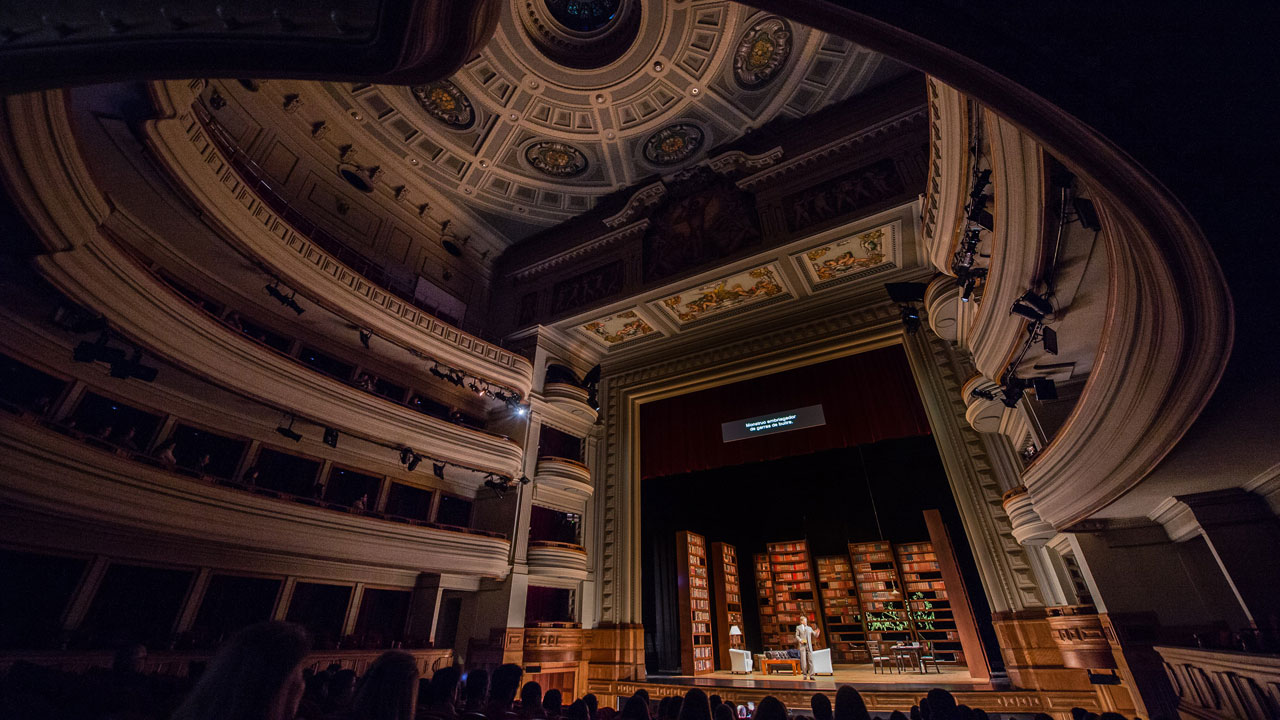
(912, 650)
(769, 665)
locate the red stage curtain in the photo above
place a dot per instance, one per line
(865, 398)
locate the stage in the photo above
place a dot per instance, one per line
(882, 692)
(861, 676)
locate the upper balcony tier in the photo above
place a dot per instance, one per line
(235, 212)
(568, 405)
(565, 475)
(54, 474)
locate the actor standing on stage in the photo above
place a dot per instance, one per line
(805, 634)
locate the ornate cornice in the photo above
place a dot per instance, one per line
(642, 199)
(738, 161)
(591, 246)
(785, 169)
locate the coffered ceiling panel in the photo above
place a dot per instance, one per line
(549, 117)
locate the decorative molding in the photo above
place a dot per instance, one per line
(786, 168)
(642, 199)
(738, 161)
(1267, 484)
(592, 246)
(1177, 518)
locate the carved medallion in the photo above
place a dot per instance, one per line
(673, 144)
(556, 159)
(446, 103)
(761, 53)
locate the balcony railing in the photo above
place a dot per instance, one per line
(94, 444)
(1223, 684)
(557, 559)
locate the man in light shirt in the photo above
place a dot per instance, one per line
(805, 635)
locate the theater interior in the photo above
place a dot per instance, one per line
(610, 338)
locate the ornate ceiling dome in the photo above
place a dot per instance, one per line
(570, 101)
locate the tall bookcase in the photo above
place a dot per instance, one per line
(840, 609)
(884, 615)
(927, 600)
(769, 634)
(696, 656)
(794, 589)
(728, 600)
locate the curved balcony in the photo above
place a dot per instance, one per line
(942, 302)
(983, 415)
(188, 152)
(50, 474)
(1027, 527)
(545, 644)
(564, 475)
(566, 405)
(99, 275)
(949, 173)
(556, 559)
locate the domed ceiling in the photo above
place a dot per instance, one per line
(571, 100)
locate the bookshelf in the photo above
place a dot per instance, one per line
(728, 599)
(884, 616)
(695, 604)
(794, 590)
(928, 601)
(769, 634)
(840, 609)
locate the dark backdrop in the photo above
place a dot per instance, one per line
(824, 498)
(865, 398)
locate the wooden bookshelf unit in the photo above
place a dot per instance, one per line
(884, 615)
(696, 656)
(728, 600)
(927, 600)
(840, 610)
(794, 590)
(769, 634)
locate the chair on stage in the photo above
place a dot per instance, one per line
(928, 655)
(878, 658)
(822, 662)
(740, 661)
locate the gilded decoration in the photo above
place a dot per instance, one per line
(673, 144)
(445, 102)
(618, 328)
(761, 52)
(748, 287)
(556, 159)
(846, 258)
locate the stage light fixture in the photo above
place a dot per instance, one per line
(288, 301)
(365, 337)
(1049, 338)
(406, 454)
(414, 462)
(331, 437)
(133, 368)
(522, 410)
(437, 469)
(288, 431)
(1032, 306)
(910, 316)
(524, 480)
(1013, 389)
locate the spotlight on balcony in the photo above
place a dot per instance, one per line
(331, 437)
(133, 368)
(414, 462)
(1032, 306)
(288, 431)
(365, 337)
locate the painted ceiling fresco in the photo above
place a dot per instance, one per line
(619, 328)
(840, 261)
(730, 294)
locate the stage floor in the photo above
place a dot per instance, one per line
(862, 676)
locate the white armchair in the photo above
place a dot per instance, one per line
(740, 661)
(822, 662)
